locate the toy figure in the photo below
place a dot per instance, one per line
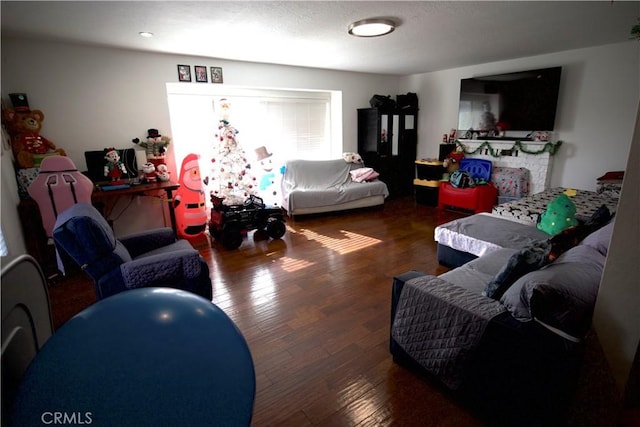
(149, 171)
(189, 202)
(560, 214)
(26, 142)
(155, 145)
(269, 183)
(114, 168)
(162, 173)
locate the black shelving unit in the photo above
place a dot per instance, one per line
(387, 142)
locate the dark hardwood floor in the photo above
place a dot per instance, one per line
(314, 308)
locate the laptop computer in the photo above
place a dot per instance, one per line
(96, 161)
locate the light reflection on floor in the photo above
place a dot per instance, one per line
(350, 243)
(263, 287)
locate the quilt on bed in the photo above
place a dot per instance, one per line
(528, 209)
(484, 233)
(439, 325)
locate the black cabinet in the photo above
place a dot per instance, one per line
(387, 142)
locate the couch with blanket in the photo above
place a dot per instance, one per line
(315, 186)
(505, 332)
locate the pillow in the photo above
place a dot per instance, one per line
(571, 236)
(560, 214)
(562, 294)
(599, 240)
(363, 174)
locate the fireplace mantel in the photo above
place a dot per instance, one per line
(539, 165)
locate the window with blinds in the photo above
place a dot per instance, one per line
(291, 124)
(302, 126)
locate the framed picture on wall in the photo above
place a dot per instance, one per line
(184, 73)
(201, 73)
(216, 74)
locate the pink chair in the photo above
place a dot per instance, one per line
(57, 187)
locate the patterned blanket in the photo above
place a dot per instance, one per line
(439, 324)
(527, 209)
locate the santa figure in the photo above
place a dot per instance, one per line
(189, 202)
(149, 171)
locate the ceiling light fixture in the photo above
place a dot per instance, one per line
(145, 34)
(373, 27)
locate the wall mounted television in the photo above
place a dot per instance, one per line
(517, 102)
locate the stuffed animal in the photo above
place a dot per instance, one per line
(26, 141)
(155, 145)
(452, 162)
(352, 158)
(114, 168)
(149, 170)
(560, 214)
(162, 173)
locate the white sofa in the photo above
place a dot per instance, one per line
(315, 186)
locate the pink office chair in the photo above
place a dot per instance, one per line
(58, 186)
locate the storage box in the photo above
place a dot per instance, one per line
(431, 170)
(426, 192)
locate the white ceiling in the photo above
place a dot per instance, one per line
(430, 36)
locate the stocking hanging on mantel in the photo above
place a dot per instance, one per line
(231, 177)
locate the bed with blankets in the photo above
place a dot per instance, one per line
(527, 209)
(509, 225)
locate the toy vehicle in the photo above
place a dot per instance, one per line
(230, 224)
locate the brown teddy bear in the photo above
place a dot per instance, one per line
(26, 141)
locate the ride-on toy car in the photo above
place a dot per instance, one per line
(229, 224)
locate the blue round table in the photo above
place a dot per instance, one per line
(144, 357)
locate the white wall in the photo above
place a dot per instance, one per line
(599, 93)
(617, 311)
(9, 214)
(95, 97)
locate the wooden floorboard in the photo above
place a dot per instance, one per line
(314, 308)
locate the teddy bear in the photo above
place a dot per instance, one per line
(452, 162)
(26, 141)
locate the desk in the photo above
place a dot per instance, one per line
(36, 238)
(99, 196)
(144, 357)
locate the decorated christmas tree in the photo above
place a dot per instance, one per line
(231, 177)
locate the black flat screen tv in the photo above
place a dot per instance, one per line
(521, 102)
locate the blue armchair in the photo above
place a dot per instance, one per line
(149, 258)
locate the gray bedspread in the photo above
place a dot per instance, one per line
(484, 233)
(439, 324)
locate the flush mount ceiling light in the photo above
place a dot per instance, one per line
(145, 34)
(372, 27)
